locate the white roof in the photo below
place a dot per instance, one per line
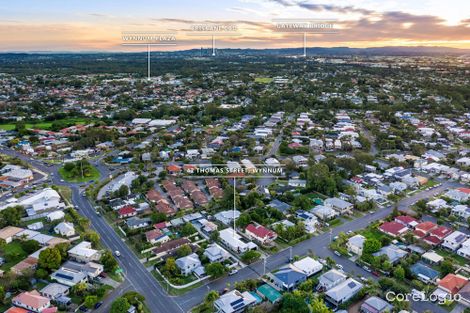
(83, 249)
(308, 265)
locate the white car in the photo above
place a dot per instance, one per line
(339, 266)
(117, 253)
(233, 272)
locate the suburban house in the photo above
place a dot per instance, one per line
(32, 301)
(189, 264)
(233, 241)
(65, 229)
(393, 229)
(465, 249)
(454, 241)
(355, 244)
(55, 291)
(83, 252)
(406, 220)
(69, 277)
(376, 305)
(288, 278)
(465, 295)
(260, 234)
(170, 246)
(155, 236)
(127, 211)
(452, 283)
(216, 253)
(393, 253)
(424, 273)
(38, 202)
(423, 229)
(308, 266)
(330, 279)
(343, 292)
(137, 222)
(324, 212)
(340, 205)
(8, 233)
(234, 302)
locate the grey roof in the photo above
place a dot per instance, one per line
(344, 290)
(392, 252)
(421, 269)
(377, 304)
(279, 205)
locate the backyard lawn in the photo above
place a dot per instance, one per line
(13, 253)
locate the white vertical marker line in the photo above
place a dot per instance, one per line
(305, 44)
(213, 45)
(148, 62)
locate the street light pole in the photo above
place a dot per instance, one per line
(234, 203)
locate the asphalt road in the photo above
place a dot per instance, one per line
(140, 280)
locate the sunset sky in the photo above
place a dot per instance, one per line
(85, 25)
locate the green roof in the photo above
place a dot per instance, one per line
(269, 292)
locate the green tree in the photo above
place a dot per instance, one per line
(11, 216)
(170, 266)
(90, 301)
(92, 237)
(184, 251)
(50, 259)
(211, 296)
(30, 246)
(109, 262)
(399, 273)
(215, 269)
(371, 245)
(292, 303)
(318, 306)
(79, 289)
(187, 229)
(250, 256)
(2, 294)
(120, 305)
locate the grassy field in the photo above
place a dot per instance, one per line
(263, 80)
(92, 175)
(44, 125)
(13, 253)
(65, 192)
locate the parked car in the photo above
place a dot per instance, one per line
(337, 253)
(367, 269)
(98, 304)
(375, 273)
(339, 266)
(233, 272)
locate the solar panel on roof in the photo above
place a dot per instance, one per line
(64, 276)
(351, 284)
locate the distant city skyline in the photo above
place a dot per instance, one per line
(83, 25)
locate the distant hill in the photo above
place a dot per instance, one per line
(333, 51)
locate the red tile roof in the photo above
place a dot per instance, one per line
(441, 232)
(260, 231)
(126, 210)
(425, 226)
(393, 228)
(465, 190)
(432, 240)
(405, 219)
(31, 299)
(153, 234)
(453, 283)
